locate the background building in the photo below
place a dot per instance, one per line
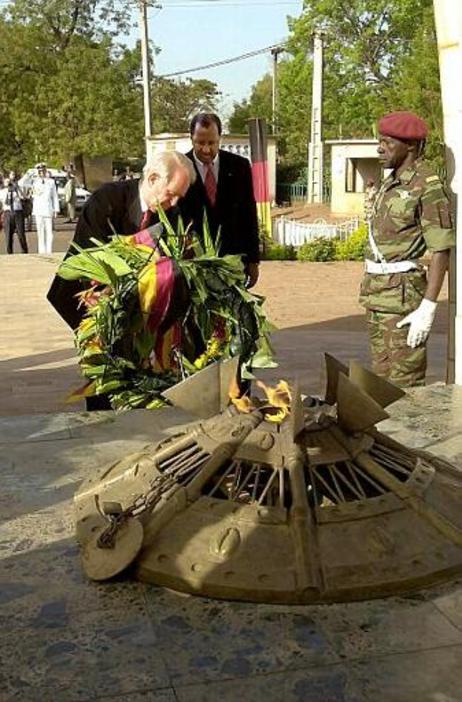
(353, 163)
(236, 143)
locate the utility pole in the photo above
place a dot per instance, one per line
(315, 149)
(275, 51)
(145, 68)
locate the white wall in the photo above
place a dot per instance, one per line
(236, 144)
(352, 203)
(448, 17)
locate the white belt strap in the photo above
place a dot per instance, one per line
(372, 243)
(386, 268)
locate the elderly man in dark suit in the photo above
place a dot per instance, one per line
(223, 189)
(122, 208)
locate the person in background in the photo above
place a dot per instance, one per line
(411, 214)
(70, 197)
(224, 189)
(11, 201)
(45, 206)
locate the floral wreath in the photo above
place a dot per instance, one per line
(161, 305)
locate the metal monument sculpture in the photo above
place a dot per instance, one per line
(317, 506)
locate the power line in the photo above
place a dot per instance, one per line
(224, 61)
(215, 4)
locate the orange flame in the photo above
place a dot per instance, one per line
(279, 398)
(243, 404)
(275, 408)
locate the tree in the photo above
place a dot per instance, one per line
(62, 20)
(294, 111)
(416, 86)
(69, 88)
(365, 43)
(380, 56)
(175, 102)
(260, 104)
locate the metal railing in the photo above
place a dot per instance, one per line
(298, 192)
(291, 192)
(290, 232)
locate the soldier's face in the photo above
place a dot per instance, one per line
(392, 152)
(206, 142)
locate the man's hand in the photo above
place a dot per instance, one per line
(252, 272)
(420, 322)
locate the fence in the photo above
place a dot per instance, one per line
(291, 192)
(298, 192)
(289, 231)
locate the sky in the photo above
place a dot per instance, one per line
(194, 33)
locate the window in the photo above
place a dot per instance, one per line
(351, 172)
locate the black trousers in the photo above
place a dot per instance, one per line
(14, 222)
(97, 402)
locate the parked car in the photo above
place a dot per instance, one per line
(60, 179)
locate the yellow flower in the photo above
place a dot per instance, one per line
(86, 325)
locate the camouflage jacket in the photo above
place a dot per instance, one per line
(411, 214)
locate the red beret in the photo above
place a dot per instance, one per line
(403, 125)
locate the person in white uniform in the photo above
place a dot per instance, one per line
(44, 208)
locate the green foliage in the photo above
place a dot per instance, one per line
(279, 252)
(175, 102)
(319, 249)
(115, 340)
(379, 56)
(258, 105)
(366, 41)
(353, 248)
(417, 86)
(69, 88)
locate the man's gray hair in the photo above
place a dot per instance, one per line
(166, 162)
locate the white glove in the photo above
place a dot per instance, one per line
(420, 322)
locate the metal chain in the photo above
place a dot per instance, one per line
(159, 486)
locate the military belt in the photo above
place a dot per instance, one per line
(379, 268)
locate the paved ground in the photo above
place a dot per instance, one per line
(63, 639)
(62, 234)
(314, 306)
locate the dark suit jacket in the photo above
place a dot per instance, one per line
(113, 208)
(235, 211)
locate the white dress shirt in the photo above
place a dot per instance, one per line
(5, 200)
(203, 167)
(45, 197)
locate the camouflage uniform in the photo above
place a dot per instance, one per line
(369, 198)
(411, 214)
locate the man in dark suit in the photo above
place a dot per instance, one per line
(223, 188)
(122, 208)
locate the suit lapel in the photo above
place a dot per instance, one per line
(134, 204)
(225, 176)
(199, 184)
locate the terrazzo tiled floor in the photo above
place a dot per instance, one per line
(63, 639)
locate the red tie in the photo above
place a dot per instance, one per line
(146, 220)
(210, 185)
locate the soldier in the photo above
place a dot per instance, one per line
(370, 193)
(411, 214)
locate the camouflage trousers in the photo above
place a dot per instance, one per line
(392, 358)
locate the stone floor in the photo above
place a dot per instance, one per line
(64, 639)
